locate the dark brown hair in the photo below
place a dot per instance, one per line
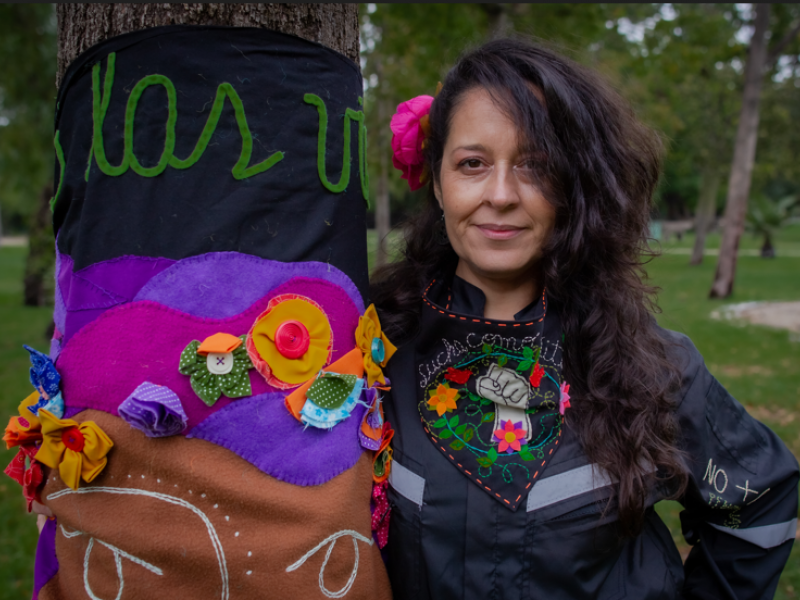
(600, 166)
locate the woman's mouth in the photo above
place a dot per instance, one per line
(499, 232)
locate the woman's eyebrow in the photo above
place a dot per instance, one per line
(472, 147)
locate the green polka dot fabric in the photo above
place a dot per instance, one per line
(330, 390)
(210, 386)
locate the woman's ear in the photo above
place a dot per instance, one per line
(437, 192)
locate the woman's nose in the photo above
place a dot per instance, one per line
(501, 189)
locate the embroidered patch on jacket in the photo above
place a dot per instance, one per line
(495, 415)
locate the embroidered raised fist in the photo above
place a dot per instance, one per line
(504, 386)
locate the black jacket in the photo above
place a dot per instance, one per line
(449, 539)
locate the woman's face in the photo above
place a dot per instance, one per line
(497, 217)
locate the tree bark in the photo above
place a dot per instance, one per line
(706, 207)
(80, 26)
(743, 158)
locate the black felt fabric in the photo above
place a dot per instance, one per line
(284, 213)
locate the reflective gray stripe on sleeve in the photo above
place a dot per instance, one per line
(767, 536)
(567, 485)
(406, 483)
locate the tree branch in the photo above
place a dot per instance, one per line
(775, 51)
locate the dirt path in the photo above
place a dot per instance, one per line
(782, 315)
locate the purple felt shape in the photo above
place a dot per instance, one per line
(154, 409)
(261, 430)
(59, 308)
(143, 340)
(87, 294)
(46, 565)
(222, 284)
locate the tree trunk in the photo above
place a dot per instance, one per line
(41, 259)
(706, 207)
(767, 249)
(743, 158)
(80, 26)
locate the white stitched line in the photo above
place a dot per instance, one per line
(86, 585)
(332, 539)
(70, 534)
(132, 558)
(212, 533)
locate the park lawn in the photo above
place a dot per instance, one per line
(759, 366)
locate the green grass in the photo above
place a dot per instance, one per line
(759, 366)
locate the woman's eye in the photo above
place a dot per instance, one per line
(471, 163)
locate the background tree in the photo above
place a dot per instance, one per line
(27, 101)
(760, 59)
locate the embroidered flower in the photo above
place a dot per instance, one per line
(27, 472)
(457, 376)
(46, 381)
(563, 402)
(155, 410)
(217, 366)
(290, 341)
(408, 128)
(77, 450)
(536, 376)
(374, 345)
(509, 436)
(443, 399)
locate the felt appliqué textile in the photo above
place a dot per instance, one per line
(489, 398)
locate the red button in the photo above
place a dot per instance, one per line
(292, 339)
(73, 439)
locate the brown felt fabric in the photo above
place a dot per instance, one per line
(263, 525)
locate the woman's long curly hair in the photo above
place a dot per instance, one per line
(600, 167)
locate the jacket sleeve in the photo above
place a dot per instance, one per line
(741, 502)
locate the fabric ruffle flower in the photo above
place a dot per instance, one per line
(382, 459)
(563, 402)
(331, 399)
(155, 410)
(370, 433)
(46, 380)
(409, 124)
(25, 428)
(77, 450)
(217, 366)
(509, 436)
(536, 376)
(30, 477)
(443, 399)
(374, 345)
(290, 341)
(381, 511)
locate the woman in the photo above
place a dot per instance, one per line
(540, 412)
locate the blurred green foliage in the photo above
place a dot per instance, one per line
(27, 105)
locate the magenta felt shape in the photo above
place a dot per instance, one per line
(143, 340)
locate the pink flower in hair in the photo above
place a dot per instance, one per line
(408, 128)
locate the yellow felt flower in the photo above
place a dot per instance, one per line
(443, 399)
(290, 341)
(374, 345)
(77, 450)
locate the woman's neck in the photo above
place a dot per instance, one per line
(504, 297)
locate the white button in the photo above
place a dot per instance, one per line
(219, 363)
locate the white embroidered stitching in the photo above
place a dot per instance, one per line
(212, 532)
(117, 561)
(332, 539)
